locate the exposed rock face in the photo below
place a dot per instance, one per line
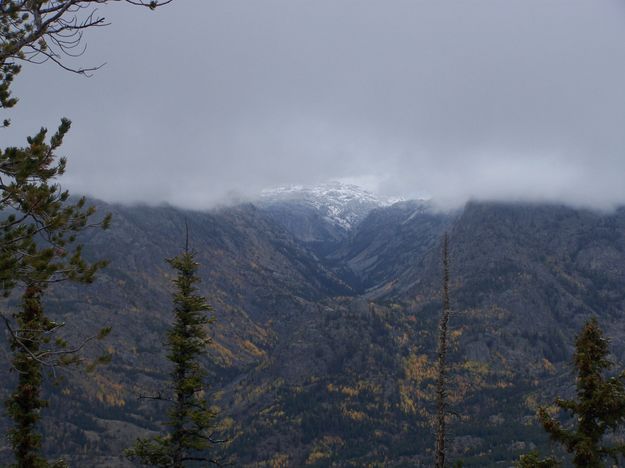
(321, 216)
(325, 333)
(386, 250)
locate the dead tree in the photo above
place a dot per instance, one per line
(441, 378)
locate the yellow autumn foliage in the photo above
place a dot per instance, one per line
(279, 460)
(252, 348)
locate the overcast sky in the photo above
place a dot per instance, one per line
(207, 100)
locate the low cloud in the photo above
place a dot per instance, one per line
(519, 100)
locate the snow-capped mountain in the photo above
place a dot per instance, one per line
(340, 205)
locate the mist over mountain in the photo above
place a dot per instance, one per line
(514, 101)
(327, 301)
(459, 271)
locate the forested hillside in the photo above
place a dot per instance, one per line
(326, 357)
(326, 234)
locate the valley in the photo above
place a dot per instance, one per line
(326, 307)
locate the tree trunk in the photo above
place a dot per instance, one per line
(25, 403)
(441, 380)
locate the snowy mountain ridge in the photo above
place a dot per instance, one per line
(343, 205)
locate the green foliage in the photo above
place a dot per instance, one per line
(25, 403)
(38, 233)
(533, 460)
(599, 407)
(38, 222)
(37, 247)
(190, 419)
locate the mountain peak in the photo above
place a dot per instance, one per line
(342, 205)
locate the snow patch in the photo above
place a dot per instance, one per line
(343, 205)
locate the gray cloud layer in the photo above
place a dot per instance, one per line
(205, 100)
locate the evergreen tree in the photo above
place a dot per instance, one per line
(37, 247)
(599, 407)
(38, 223)
(190, 419)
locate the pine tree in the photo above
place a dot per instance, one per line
(38, 222)
(190, 419)
(37, 247)
(599, 407)
(441, 369)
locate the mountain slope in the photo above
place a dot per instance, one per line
(256, 276)
(321, 216)
(389, 244)
(326, 360)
